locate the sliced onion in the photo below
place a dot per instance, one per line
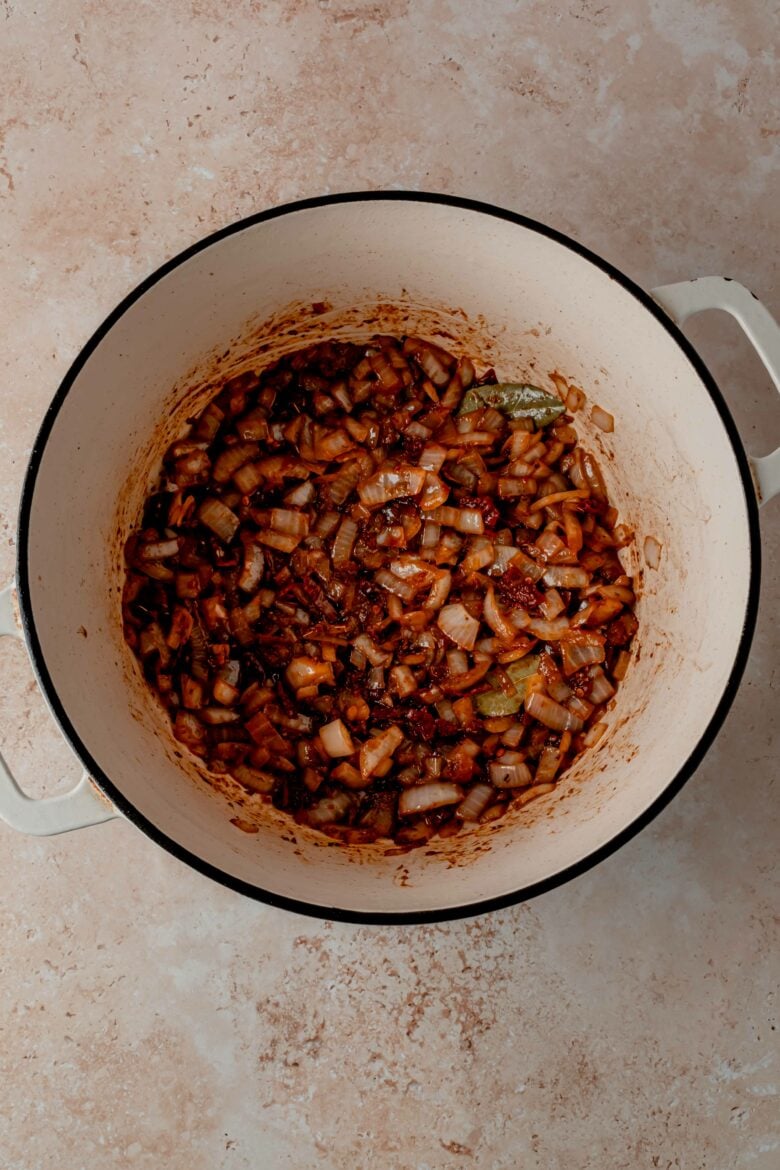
(219, 518)
(281, 541)
(215, 716)
(253, 567)
(457, 662)
(332, 445)
(248, 478)
(566, 577)
(552, 605)
(431, 534)
(575, 399)
(509, 775)
(495, 618)
(375, 656)
(652, 549)
(344, 542)
(402, 681)
(475, 802)
(504, 556)
(390, 484)
(550, 761)
(432, 457)
(602, 419)
(435, 492)
(439, 591)
(424, 797)
(594, 734)
(621, 665)
(581, 707)
(558, 498)
(231, 459)
(468, 520)
(527, 566)
(403, 589)
(327, 524)
(336, 739)
(344, 483)
(576, 654)
(254, 779)
(481, 554)
(330, 810)
(550, 713)
(292, 523)
(158, 550)
(601, 689)
(305, 671)
(458, 624)
(552, 631)
(379, 748)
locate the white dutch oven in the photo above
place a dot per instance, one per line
(521, 297)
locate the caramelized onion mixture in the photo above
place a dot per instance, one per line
(382, 590)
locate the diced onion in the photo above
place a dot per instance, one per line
(652, 552)
(425, 797)
(566, 577)
(336, 739)
(290, 522)
(231, 459)
(391, 483)
(158, 550)
(303, 672)
(602, 419)
(219, 518)
(374, 751)
(458, 624)
(344, 542)
(576, 654)
(475, 802)
(550, 713)
(252, 571)
(468, 520)
(503, 775)
(601, 689)
(432, 457)
(498, 623)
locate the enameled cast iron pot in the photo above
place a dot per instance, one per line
(517, 295)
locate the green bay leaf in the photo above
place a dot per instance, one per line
(515, 400)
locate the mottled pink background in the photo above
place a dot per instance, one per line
(151, 1019)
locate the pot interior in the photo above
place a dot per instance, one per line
(513, 298)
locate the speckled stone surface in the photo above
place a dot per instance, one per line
(152, 1019)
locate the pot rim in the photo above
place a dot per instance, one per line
(411, 917)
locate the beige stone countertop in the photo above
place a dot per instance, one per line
(152, 1019)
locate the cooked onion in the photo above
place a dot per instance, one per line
(425, 797)
(509, 775)
(458, 624)
(254, 564)
(652, 552)
(222, 522)
(475, 802)
(390, 484)
(385, 606)
(336, 739)
(304, 672)
(344, 542)
(602, 419)
(550, 713)
(379, 748)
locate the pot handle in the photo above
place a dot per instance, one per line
(76, 809)
(682, 300)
